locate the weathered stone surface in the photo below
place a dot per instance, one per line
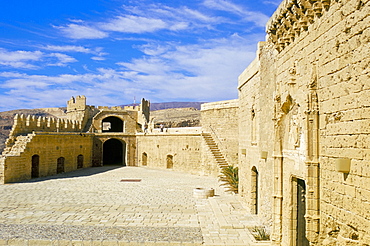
(315, 66)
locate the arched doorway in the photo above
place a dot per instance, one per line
(112, 124)
(254, 191)
(80, 161)
(60, 165)
(35, 170)
(299, 212)
(144, 159)
(169, 161)
(114, 152)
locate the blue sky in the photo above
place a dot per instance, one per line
(113, 51)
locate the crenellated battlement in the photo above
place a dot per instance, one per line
(27, 124)
(293, 18)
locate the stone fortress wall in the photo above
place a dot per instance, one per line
(45, 137)
(49, 150)
(304, 102)
(179, 152)
(194, 149)
(37, 146)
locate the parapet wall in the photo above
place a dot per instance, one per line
(221, 105)
(27, 124)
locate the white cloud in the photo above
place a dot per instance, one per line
(198, 72)
(75, 31)
(68, 48)
(20, 58)
(133, 24)
(99, 55)
(98, 58)
(272, 2)
(258, 18)
(63, 59)
(155, 17)
(33, 59)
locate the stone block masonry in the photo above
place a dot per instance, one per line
(314, 69)
(47, 151)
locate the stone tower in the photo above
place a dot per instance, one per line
(76, 108)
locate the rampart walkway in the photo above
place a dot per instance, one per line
(121, 206)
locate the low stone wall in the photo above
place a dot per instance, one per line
(17, 163)
(180, 152)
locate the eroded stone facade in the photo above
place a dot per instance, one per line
(304, 110)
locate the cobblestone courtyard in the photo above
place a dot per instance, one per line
(121, 206)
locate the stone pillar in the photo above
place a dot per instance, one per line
(313, 165)
(277, 229)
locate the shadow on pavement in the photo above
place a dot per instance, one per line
(88, 171)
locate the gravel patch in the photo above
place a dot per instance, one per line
(130, 234)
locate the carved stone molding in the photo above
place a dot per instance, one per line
(293, 18)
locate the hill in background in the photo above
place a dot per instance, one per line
(168, 105)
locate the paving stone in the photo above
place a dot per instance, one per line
(97, 209)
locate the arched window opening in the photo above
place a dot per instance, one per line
(169, 161)
(35, 170)
(254, 191)
(114, 152)
(144, 159)
(80, 161)
(112, 124)
(60, 165)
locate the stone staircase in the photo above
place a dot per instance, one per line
(19, 145)
(220, 159)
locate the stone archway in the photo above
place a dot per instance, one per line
(35, 169)
(114, 152)
(169, 161)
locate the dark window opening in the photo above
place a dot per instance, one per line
(60, 165)
(144, 159)
(35, 172)
(80, 161)
(112, 124)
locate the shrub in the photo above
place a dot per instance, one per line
(230, 178)
(260, 234)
